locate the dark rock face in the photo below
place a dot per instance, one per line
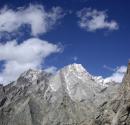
(1, 91)
(70, 97)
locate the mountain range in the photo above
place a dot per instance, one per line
(71, 96)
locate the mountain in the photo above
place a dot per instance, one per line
(71, 96)
(117, 110)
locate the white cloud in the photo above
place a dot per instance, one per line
(92, 20)
(75, 58)
(20, 57)
(117, 76)
(51, 69)
(34, 15)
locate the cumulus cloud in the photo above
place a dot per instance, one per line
(34, 16)
(117, 76)
(20, 57)
(92, 20)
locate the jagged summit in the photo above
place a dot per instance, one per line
(77, 82)
(30, 72)
(68, 97)
(76, 67)
(30, 75)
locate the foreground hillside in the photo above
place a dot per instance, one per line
(70, 97)
(117, 110)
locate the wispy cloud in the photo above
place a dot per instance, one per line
(92, 20)
(34, 16)
(110, 68)
(117, 75)
(75, 58)
(51, 69)
(20, 57)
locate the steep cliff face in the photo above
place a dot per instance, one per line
(70, 97)
(117, 110)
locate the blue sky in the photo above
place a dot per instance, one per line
(93, 47)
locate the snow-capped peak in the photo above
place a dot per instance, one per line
(70, 75)
(75, 69)
(100, 80)
(80, 72)
(29, 76)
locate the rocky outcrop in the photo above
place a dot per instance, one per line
(70, 97)
(117, 110)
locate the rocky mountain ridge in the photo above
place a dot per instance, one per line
(70, 97)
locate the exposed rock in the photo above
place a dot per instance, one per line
(1, 91)
(72, 96)
(117, 111)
